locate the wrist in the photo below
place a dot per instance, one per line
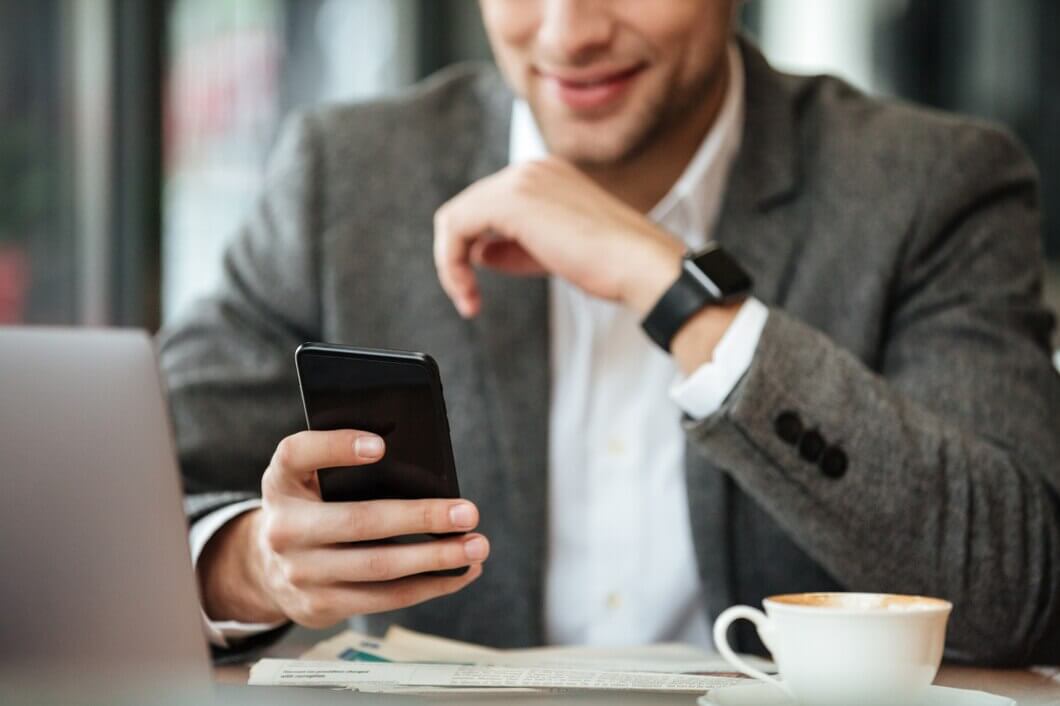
(652, 272)
(231, 574)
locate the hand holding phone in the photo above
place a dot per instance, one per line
(318, 563)
(314, 562)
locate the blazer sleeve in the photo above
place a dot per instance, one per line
(937, 470)
(228, 363)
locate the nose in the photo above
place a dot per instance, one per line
(574, 30)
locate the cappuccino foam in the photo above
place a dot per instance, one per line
(860, 601)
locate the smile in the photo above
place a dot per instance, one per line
(590, 91)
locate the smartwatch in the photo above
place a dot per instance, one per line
(708, 277)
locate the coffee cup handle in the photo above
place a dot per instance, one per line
(762, 625)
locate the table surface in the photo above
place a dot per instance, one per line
(1040, 687)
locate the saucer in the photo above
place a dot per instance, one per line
(766, 695)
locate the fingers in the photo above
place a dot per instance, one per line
(506, 256)
(452, 259)
(385, 562)
(298, 457)
(402, 593)
(309, 523)
(329, 605)
(488, 221)
(308, 568)
(457, 226)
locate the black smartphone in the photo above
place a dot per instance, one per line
(395, 394)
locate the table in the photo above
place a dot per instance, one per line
(1027, 687)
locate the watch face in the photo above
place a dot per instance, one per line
(724, 273)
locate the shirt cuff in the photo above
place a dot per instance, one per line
(220, 632)
(703, 392)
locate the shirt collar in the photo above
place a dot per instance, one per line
(690, 208)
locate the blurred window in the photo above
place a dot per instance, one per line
(38, 255)
(221, 108)
(235, 67)
(77, 131)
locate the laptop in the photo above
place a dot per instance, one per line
(98, 599)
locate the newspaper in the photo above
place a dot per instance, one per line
(383, 677)
(402, 645)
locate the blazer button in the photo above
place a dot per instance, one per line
(811, 446)
(788, 427)
(834, 462)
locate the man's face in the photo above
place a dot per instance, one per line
(605, 78)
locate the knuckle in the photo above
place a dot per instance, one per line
(429, 517)
(286, 452)
(294, 573)
(441, 218)
(358, 522)
(315, 609)
(522, 178)
(449, 554)
(308, 620)
(378, 566)
(286, 572)
(277, 535)
(340, 445)
(269, 485)
(404, 595)
(555, 164)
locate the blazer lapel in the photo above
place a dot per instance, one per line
(512, 338)
(760, 231)
(754, 224)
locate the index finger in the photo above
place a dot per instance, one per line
(299, 456)
(319, 524)
(457, 226)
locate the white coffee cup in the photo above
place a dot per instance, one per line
(837, 649)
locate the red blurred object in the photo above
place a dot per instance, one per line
(14, 281)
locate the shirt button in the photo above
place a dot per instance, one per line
(616, 446)
(614, 600)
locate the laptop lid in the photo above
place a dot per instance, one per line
(94, 559)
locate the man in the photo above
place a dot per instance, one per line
(879, 414)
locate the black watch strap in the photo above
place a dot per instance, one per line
(707, 277)
(680, 303)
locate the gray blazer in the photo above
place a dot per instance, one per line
(898, 250)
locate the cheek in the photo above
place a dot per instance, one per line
(688, 37)
(511, 26)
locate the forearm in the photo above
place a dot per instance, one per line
(926, 505)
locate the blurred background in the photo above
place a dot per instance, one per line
(133, 133)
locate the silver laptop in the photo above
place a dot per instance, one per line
(93, 542)
(98, 602)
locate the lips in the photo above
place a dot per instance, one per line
(590, 91)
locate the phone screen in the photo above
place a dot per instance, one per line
(400, 399)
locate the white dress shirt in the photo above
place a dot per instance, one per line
(621, 566)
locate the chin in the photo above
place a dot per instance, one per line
(602, 141)
(592, 144)
(588, 151)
